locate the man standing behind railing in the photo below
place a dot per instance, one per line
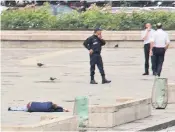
(146, 37)
(54, 5)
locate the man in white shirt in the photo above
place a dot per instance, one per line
(159, 44)
(146, 36)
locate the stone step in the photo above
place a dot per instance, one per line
(159, 120)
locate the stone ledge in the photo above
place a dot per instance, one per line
(110, 116)
(116, 107)
(54, 124)
(71, 31)
(72, 35)
(70, 44)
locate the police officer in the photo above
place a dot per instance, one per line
(94, 45)
(159, 43)
(146, 36)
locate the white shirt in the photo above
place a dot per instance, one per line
(150, 34)
(160, 39)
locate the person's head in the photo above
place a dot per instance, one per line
(97, 31)
(59, 108)
(147, 25)
(54, 106)
(159, 25)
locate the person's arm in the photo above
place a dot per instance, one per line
(167, 42)
(151, 48)
(152, 44)
(103, 42)
(145, 34)
(87, 43)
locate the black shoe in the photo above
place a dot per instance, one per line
(105, 81)
(145, 74)
(9, 108)
(93, 82)
(154, 74)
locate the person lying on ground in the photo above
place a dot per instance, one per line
(39, 107)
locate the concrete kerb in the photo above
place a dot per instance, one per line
(54, 124)
(113, 115)
(160, 126)
(125, 110)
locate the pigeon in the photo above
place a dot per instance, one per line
(9, 108)
(40, 64)
(116, 46)
(52, 78)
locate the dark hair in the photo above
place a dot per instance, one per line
(159, 25)
(145, 25)
(97, 29)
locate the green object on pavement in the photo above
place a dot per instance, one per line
(160, 93)
(81, 109)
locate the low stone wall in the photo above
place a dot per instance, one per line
(124, 111)
(71, 39)
(55, 124)
(117, 114)
(171, 93)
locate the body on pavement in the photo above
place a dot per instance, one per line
(39, 107)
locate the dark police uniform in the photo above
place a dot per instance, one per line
(95, 43)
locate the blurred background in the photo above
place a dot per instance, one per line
(82, 5)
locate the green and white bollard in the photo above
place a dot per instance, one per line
(81, 109)
(160, 93)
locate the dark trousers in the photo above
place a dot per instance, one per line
(96, 59)
(146, 52)
(159, 54)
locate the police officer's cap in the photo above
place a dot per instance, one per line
(97, 29)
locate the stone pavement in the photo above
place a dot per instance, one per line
(23, 81)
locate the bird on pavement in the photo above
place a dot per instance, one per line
(40, 64)
(116, 46)
(52, 78)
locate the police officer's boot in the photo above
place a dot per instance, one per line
(93, 81)
(104, 80)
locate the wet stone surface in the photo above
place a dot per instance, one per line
(23, 83)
